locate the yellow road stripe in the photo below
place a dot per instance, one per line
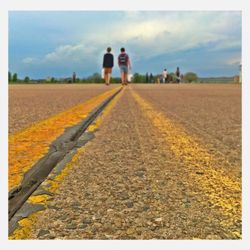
(222, 190)
(52, 184)
(29, 145)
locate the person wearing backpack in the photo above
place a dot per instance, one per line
(124, 65)
(108, 63)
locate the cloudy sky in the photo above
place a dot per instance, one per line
(56, 43)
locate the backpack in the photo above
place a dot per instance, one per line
(123, 59)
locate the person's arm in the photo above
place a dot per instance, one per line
(129, 63)
(112, 61)
(118, 61)
(103, 61)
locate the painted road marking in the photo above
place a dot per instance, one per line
(29, 145)
(223, 191)
(52, 183)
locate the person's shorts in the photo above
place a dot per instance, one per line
(107, 70)
(124, 68)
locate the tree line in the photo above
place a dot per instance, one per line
(97, 78)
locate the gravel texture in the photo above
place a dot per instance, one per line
(211, 112)
(31, 103)
(128, 185)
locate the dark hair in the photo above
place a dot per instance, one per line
(108, 49)
(122, 50)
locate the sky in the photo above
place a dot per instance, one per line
(56, 43)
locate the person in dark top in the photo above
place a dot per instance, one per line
(147, 77)
(108, 63)
(178, 75)
(151, 78)
(124, 65)
(74, 77)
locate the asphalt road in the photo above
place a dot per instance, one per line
(148, 175)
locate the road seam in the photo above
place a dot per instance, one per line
(21, 224)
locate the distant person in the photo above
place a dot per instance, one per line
(147, 77)
(124, 65)
(182, 77)
(158, 79)
(108, 63)
(74, 77)
(151, 78)
(164, 75)
(178, 75)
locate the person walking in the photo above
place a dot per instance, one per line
(151, 78)
(164, 75)
(74, 77)
(108, 63)
(124, 65)
(178, 75)
(147, 77)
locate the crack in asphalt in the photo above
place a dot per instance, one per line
(59, 149)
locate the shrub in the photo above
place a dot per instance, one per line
(190, 77)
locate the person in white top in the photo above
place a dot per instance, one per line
(164, 75)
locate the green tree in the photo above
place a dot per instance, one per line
(14, 78)
(95, 78)
(173, 77)
(26, 79)
(115, 80)
(190, 77)
(10, 77)
(52, 80)
(138, 78)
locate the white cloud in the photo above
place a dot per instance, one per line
(148, 34)
(233, 61)
(71, 52)
(28, 60)
(157, 34)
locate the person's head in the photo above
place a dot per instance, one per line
(122, 50)
(177, 68)
(165, 69)
(108, 49)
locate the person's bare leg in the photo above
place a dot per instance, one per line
(105, 78)
(122, 77)
(125, 78)
(108, 78)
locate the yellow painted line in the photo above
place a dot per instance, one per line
(97, 123)
(51, 185)
(26, 224)
(222, 189)
(29, 145)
